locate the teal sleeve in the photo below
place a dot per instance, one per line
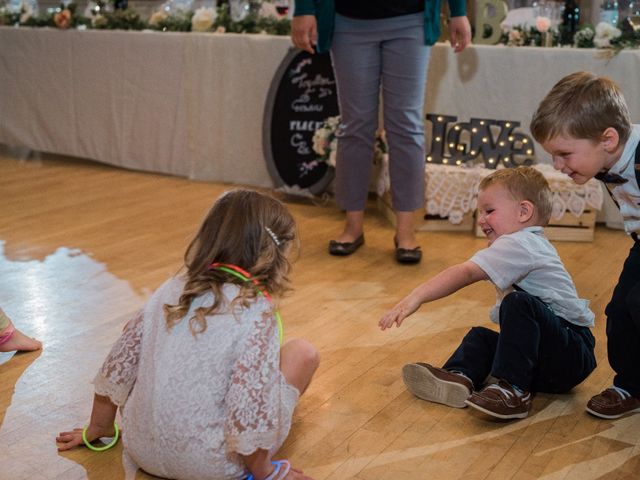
(458, 8)
(304, 7)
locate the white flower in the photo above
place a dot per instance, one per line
(333, 121)
(203, 19)
(515, 37)
(543, 24)
(267, 10)
(157, 17)
(319, 142)
(605, 32)
(27, 12)
(332, 158)
(99, 21)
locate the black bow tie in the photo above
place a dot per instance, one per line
(614, 178)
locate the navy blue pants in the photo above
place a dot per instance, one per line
(623, 325)
(535, 350)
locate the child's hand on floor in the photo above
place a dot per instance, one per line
(73, 439)
(398, 313)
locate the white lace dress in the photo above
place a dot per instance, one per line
(191, 405)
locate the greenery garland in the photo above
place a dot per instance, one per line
(66, 16)
(626, 36)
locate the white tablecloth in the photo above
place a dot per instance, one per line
(186, 104)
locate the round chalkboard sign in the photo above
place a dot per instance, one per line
(302, 95)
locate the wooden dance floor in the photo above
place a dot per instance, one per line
(82, 245)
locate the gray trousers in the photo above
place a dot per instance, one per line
(367, 54)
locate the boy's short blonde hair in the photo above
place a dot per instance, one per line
(524, 183)
(582, 106)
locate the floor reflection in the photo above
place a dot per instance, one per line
(77, 309)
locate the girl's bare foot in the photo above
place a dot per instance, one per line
(19, 341)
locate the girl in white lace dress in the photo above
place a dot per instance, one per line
(205, 389)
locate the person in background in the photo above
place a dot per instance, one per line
(376, 43)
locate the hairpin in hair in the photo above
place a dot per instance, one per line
(273, 236)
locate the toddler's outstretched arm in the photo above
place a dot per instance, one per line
(100, 425)
(443, 284)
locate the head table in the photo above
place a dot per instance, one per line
(192, 104)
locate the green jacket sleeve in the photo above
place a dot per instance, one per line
(305, 7)
(458, 8)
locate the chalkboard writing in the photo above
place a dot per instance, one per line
(302, 95)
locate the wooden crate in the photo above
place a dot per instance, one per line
(424, 222)
(568, 228)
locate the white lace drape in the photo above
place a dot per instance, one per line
(193, 404)
(452, 191)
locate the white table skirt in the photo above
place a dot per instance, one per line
(185, 104)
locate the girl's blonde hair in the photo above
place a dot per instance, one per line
(582, 106)
(243, 228)
(525, 183)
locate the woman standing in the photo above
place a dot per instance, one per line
(377, 43)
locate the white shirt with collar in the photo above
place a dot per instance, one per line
(527, 259)
(627, 195)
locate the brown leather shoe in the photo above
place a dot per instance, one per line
(500, 400)
(342, 249)
(436, 384)
(613, 403)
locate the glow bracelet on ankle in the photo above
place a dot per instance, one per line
(275, 475)
(107, 446)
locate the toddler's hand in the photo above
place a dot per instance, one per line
(398, 313)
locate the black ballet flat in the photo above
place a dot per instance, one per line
(407, 256)
(342, 249)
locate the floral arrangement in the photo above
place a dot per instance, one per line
(607, 36)
(325, 145)
(325, 142)
(103, 15)
(540, 35)
(603, 36)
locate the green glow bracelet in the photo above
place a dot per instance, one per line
(107, 446)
